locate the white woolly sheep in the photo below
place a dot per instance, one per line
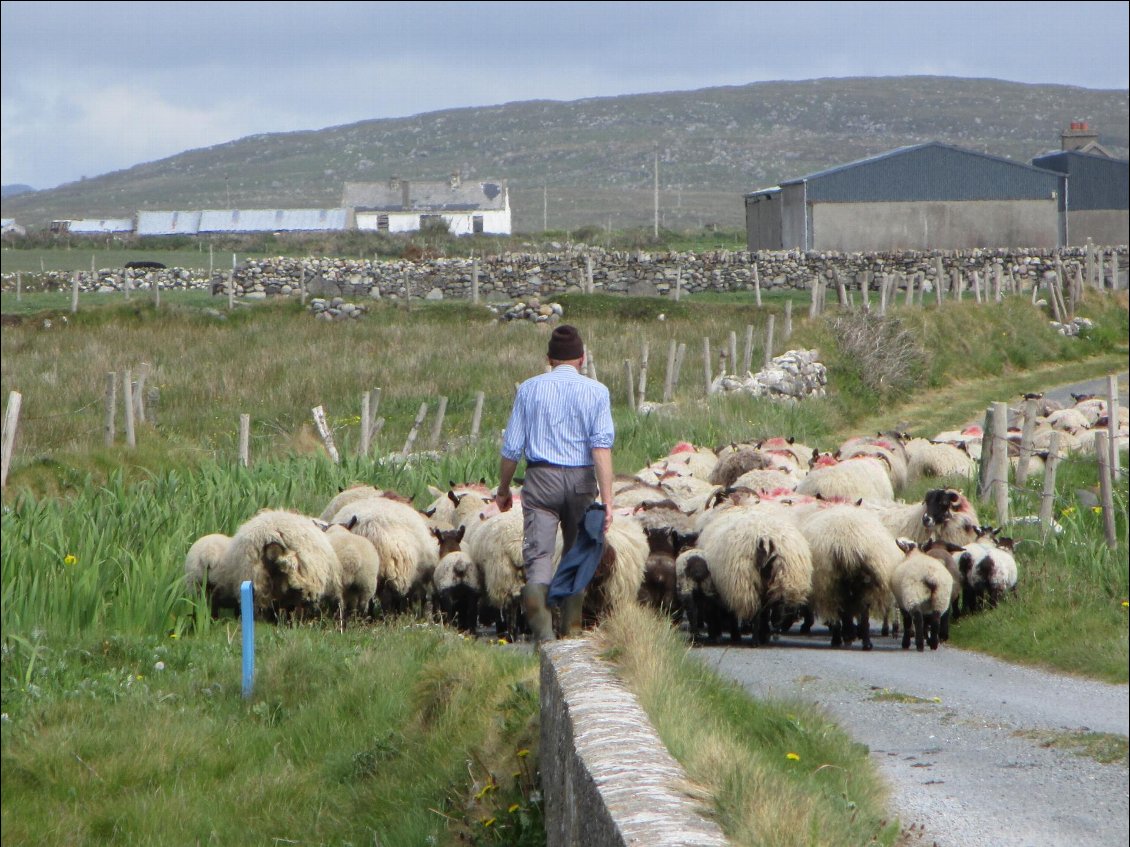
(863, 477)
(853, 557)
(619, 576)
(458, 506)
(739, 462)
(689, 492)
(458, 586)
(200, 571)
(758, 560)
(988, 572)
(946, 553)
(928, 459)
(699, 596)
(360, 570)
(766, 480)
(1068, 420)
(292, 565)
(886, 448)
(922, 587)
(404, 542)
(347, 496)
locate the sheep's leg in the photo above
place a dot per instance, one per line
(762, 628)
(944, 626)
(837, 629)
(865, 628)
(919, 631)
(809, 620)
(847, 627)
(906, 624)
(932, 630)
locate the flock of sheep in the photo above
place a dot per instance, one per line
(745, 539)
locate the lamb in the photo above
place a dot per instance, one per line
(862, 477)
(853, 557)
(988, 572)
(458, 586)
(945, 553)
(200, 571)
(360, 570)
(404, 544)
(922, 587)
(292, 566)
(619, 576)
(758, 560)
(928, 459)
(661, 522)
(945, 514)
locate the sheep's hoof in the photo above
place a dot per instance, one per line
(867, 645)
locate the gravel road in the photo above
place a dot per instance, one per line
(953, 757)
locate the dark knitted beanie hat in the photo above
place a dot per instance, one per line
(565, 344)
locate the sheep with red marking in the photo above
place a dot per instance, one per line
(944, 513)
(862, 477)
(929, 459)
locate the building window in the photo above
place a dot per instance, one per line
(477, 224)
(429, 221)
(382, 223)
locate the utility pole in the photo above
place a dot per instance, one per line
(656, 227)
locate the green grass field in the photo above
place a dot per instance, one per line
(101, 744)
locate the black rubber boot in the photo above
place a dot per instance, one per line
(537, 615)
(571, 623)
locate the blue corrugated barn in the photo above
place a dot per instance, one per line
(1096, 204)
(926, 197)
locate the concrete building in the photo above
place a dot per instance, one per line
(272, 220)
(399, 205)
(101, 226)
(168, 223)
(1096, 204)
(925, 197)
(8, 226)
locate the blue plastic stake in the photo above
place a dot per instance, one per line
(247, 615)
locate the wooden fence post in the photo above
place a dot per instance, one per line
(475, 281)
(127, 402)
(787, 330)
(11, 421)
(302, 285)
(769, 340)
(74, 293)
(374, 407)
(678, 284)
(19, 286)
(910, 283)
(883, 286)
(423, 411)
(152, 404)
(668, 384)
(1026, 441)
(1000, 461)
(366, 426)
(325, 432)
(1112, 425)
(630, 381)
(1047, 498)
(111, 408)
(747, 352)
(679, 356)
(437, 427)
(127, 283)
(1106, 488)
(643, 376)
(139, 393)
(706, 364)
(939, 279)
(477, 417)
(984, 471)
(230, 277)
(245, 440)
(756, 286)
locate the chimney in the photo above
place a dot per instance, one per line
(454, 181)
(1078, 136)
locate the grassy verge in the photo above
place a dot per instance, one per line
(776, 773)
(393, 736)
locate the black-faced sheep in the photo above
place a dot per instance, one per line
(944, 514)
(360, 570)
(758, 560)
(404, 542)
(201, 571)
(699, 597)
(292, 566)
(988, 572)
(853, 557)
(458, 586)
(922, 587)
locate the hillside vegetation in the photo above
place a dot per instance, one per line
(590, 162)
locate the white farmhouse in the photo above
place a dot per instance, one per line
(398, 205)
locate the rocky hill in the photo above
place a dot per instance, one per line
(590, 162)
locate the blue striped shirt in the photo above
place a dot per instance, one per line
(559, 417)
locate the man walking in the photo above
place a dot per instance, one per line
(562, 423)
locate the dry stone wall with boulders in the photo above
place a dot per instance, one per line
(521, 276)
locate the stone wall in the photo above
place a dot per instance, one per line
(515, 276)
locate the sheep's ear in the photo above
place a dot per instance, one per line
(459, 533)
(791, 439)
(905, 544)
(859, 502)
(1006, 543)
(954, 548)
(352, 523)
(435, 492)
(430, 512)
(954, 497)
(452, 497)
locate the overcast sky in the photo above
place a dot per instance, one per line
(94, 87)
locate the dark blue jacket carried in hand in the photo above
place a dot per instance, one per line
(579, 564)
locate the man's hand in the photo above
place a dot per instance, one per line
(503, 499)
(607, 516)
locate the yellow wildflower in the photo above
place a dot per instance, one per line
(523, 753)
(70, 559)
(1098, 510)
(792, 757)
(1126, 604)
(488, 822)
(513, 808)
(1068, 512)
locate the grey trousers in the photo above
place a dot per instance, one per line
(552, 496)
